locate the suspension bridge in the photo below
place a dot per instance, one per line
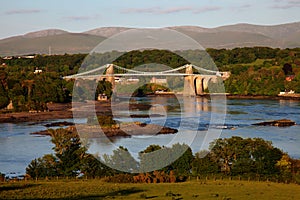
(194, 84)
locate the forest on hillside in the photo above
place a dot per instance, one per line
(31, 83)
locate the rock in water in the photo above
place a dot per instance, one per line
(279, 123)
(64, 123)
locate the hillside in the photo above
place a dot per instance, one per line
(281, 32)
(59, 43)
(106, 31)
(230, 39)
(231, 36)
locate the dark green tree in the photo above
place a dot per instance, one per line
(68, 151)
(43, 167)
(122, 161)
(245, 156)
(104, 87)
(93, 167)
(203, 164)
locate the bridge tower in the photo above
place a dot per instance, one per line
(189, 85)
(110, 75)
(199, 85)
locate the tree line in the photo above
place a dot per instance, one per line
(254, 71)
(255, 158)
(29, 89)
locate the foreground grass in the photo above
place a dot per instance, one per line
(96, 189)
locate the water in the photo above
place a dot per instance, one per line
(197, 119)
(18, 147)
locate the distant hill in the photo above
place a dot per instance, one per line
(106, 31)
(230, 39)
(231, 36)
(57, 43)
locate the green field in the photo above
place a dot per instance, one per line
(97, 189)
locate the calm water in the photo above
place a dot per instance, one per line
(198, 121)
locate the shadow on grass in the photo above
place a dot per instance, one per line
(124, 192)
(109, 195)
(151, 197)
(16, 187)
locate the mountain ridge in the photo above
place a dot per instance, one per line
(229, 36)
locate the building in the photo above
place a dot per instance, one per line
(290, 78)
(158, 80)
(102, 97)
(133, 80)
(225, 75)
(37, 71)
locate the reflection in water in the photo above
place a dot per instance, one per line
(289, 103)
(190, 115)
(15, 139)
(202, 104)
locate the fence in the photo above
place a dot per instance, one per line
(202, 179)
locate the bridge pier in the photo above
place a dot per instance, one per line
(194, 84)
(189, 85)
(198, 82)
(110, 75)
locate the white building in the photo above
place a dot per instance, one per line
(158, 80)
(37, 71)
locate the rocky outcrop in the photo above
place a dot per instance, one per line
(125, 130)
(279, 123)
(64, 123)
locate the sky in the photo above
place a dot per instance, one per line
(22, 16)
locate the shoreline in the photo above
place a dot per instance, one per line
(64, 110)
(261, 97)
(56, 111)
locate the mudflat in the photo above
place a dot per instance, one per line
(65, 111)
(56, 111)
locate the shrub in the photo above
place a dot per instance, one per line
(119, 178)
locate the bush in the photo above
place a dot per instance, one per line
(119, 178)
(103, 120)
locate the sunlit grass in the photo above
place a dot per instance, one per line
(97, 189)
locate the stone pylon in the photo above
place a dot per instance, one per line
(110, 75)
(189, 85)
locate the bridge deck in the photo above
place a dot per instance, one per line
(135, 75)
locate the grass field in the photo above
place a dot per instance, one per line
(97, 189)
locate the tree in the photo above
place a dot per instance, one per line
(243, 156)
(68, 151)
(43, 167)
(285, 167)
(288, 69)
(70, 158)
(104, 87)
(177, 159)
(203, 164)
(4, 100)
(181, 166)
(93, 167)
(28, 84)
(122, 161)
(149, 161)
(265, 156)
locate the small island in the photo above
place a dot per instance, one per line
(127, 130)
(279, 123)
(111, 128)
